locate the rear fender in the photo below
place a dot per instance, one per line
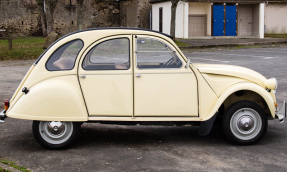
(55, 99)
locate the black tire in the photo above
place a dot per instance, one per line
(244, 123)
(55, 134)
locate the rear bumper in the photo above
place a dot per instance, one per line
(281, 113)
(2, 115)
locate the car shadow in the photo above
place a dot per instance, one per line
(98, 134)
(101, 135)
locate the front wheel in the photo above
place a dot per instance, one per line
(56, 134)
(244, 123)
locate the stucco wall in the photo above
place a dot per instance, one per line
(201, 8)
(181, 28)
(275, 18)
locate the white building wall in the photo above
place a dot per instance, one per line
(275, 18)
(261, 20)
(255, 19)
(181, 25)
(184, 9)
(201, 8)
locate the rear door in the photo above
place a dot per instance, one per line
(105, 75)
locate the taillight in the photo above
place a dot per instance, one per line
(7, 104)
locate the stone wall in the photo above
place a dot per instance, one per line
(95, 14)
(144, 12)
(21, 17)
(135, 13)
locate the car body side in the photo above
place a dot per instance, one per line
(57, 95)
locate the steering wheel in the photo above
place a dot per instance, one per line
(168, 62)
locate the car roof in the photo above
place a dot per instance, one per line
(103, 28)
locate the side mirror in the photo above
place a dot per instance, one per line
(188, 63)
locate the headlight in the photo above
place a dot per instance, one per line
(271, 84)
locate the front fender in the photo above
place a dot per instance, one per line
(55, 99)
(243, 86)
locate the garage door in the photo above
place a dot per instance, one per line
(218, 20)
(197, 25)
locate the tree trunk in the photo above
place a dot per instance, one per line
(80, 14)
(50, 7)
(40, 4)
(173, 18)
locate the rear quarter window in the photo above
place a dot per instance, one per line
(64, 57)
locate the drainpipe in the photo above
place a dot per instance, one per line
(261, 20)
(183, 19)
(150, 20)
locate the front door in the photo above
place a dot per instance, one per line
(105, 75)
(162, 84)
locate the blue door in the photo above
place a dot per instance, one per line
(218, 17)
(230, 23)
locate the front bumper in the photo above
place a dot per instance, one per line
(2, 115)
(281, 113)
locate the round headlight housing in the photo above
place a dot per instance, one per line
(271, 84)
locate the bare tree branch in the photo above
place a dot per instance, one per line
(40, 4)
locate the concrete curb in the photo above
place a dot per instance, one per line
(6, 167)
(232, 44)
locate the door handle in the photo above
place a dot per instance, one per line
(138, 75)
(83, 76)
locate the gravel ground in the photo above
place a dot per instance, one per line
(153, 148)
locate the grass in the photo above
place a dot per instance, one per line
(276, 35)
(24, 48)
(181, 44)
(3, 170)
(12, 164)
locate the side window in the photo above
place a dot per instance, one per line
(112, 54)
(64, 57)
(153, 54)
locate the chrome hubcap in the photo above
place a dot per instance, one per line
(55, 132)
(56, 127)
(245, 124)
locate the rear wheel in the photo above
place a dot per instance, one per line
(244, 123)
(56, 134)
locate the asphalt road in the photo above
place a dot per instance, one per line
(153, 148)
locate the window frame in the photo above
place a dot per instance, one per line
(129, 55)
(174, 52)
(60, 56)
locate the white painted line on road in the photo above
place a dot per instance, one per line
(263, 51)
(209, 59)
(237, 55)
